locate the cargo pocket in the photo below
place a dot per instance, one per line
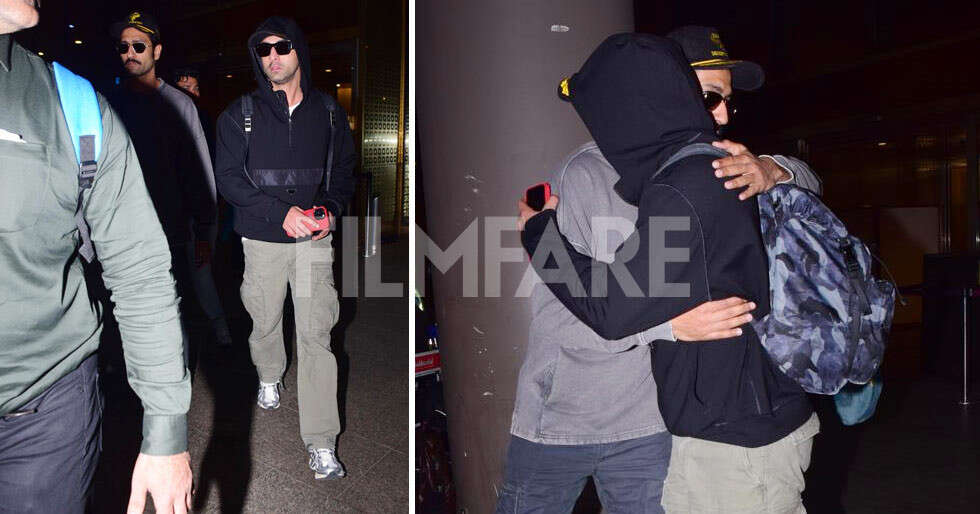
(25, 173)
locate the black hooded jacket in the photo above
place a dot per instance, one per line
(641, 102)
(287, 154)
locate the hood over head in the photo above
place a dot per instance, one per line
(641, 101)
(286, 28)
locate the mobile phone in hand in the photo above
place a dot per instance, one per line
(321, 217)
(536, 196)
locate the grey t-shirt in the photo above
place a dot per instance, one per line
(575, 387)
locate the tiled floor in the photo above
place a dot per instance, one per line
(249, 460)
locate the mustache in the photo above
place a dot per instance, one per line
(131, 60)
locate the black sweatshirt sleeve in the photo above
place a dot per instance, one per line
(229, 174)
(622, 310)
(338, 191)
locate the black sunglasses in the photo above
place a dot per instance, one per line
(282, 48)
(123, 47)
(712, 100)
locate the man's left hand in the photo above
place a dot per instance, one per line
(323, 233)
(754, 174)
(525, 212)
(168, 479)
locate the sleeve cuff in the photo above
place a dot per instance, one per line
(164, 434)
(792, 176)
(661, 332)
(277, 214)
(335, 208)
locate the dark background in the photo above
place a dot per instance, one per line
(209, 35)
(358, 50)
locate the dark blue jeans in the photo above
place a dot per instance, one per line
(49, 449)
(544, 478)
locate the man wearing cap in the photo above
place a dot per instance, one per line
(173, 153)
(583, 404)
(50, 405)
(719, 75)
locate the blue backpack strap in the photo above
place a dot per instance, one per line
(84, 118)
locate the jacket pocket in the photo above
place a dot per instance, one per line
(24, 173)
(585, 385)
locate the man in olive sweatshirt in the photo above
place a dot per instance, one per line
(50, 405)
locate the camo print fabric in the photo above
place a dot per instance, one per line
(820, 331)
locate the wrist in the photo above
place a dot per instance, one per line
(778, 172)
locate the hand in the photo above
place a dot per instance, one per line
(755, 174)
(323, 233)
(297, 224)
(167, 478)
(526, 212)
(719, 319)
(202, 253)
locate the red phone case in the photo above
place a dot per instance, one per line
(324, 221)
(547, 190)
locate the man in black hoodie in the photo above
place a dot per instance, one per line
(283, 149)
(746, 427)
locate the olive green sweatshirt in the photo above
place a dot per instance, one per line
(48, 324)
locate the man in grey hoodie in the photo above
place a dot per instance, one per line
(583, 404)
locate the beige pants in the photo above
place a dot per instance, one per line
(709, 477)
(307, 268)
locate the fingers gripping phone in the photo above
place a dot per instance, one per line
(537, 195)
(321, 216)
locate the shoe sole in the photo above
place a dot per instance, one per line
(329, 476)
(274, 407)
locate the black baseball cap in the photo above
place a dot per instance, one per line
(703, 48)
(140, 21)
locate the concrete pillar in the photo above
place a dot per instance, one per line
(489, 125)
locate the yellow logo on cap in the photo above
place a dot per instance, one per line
(134, 19)
(720, 52)
(564, 88)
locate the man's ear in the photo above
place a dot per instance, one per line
(157, 50)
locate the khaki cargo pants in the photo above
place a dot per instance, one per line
(307, 267)
(709, 477)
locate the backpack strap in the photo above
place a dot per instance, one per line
(247, 110)
(84, 119)
(689, 150)
(331, 106)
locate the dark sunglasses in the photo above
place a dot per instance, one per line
(712, 100)
(282, 48)
(123, 47)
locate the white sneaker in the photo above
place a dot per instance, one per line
(268, 395)
(324, 463)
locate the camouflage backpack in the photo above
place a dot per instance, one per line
(830, 317)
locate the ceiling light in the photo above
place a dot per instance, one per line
(78, 41)
(71, 26)
(338, 85)
(882, 143)
(40, 54)
(328, 70)
(228, 76)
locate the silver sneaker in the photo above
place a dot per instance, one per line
(324, 463)
(268, 396)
